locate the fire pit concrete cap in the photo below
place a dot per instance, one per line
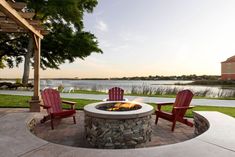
(91, 110)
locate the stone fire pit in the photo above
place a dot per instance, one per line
(118, 129)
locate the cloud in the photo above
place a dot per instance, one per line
(130, 37)
(102, 26)
(119, 48)
(105, 43)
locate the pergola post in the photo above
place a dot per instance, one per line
(18, 23)
(36, 99)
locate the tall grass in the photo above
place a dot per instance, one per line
(171, 91)
(161, 90)
(203, 93)
(151, 91)
(134, 90)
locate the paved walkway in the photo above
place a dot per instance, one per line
(196, 102)
(17, 141)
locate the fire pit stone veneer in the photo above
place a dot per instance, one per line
(118, 129)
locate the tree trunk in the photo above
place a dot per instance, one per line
(27, 57)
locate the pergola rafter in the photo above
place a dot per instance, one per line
(14, 20)
(17, 6)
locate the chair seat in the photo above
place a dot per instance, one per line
(180, 106)
(53, 103)
(64, 113)
(165, 115)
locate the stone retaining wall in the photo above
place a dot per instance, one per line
(201, 124)
(109, 133)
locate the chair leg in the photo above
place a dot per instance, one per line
(74, 120)
(156, 119)
(173, 126)
(52, 124)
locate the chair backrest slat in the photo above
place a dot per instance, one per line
(183, 98)
(51, 98)
(116, 94)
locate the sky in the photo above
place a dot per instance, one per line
(153, 37)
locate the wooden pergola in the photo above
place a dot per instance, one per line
(13, 19)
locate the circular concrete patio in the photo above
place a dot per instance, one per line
(17, 140)
(67, 133)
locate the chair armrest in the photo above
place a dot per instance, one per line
(69, 103)
(159, 105)
(184, 107)
(45, 106)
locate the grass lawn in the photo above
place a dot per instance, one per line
(88, 92)
(12, 101)
(226, 110)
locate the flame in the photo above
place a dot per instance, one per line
(124, 105)
(120, 105)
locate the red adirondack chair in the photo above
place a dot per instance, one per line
(53, 105)
(180, 107)
(116, 94)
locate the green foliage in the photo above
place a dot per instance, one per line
(18, 81)
(60, 87)
(63, 44)
(182, 77)
(66, 39)
(15, 86)
(12, 49)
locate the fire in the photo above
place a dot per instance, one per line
(121, 106)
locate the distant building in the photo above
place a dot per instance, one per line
(228, 69)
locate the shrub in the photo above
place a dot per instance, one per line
(18, 81)
(60, 87)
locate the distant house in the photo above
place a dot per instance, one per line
(228, 69)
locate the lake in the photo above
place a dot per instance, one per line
(156, 87)
(142, 87)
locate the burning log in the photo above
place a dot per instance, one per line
(120, 107)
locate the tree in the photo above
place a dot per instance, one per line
(66, 39)
(12, 49)
(64, 43)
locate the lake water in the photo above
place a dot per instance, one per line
(150, 87)
(140, 87)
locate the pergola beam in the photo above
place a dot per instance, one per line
(13, 14)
